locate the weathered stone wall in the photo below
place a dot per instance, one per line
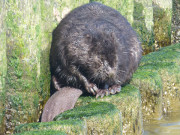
(25, 34)
(143, 23)
(3, 65)
(162, 14)
(125, 7)
(23, 48)
(176, 22)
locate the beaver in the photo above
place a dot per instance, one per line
(94, 49)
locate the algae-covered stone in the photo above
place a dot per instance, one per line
(3, 64)
(62, 7)
(101, 118)
(165, 54)
(162, 14)
(23, 61)
(154, 71)
(29, 27)
(45, 33)
(166, 63)
(75, 127)
(128, 101)
(173, 47)
(143, 23)
(175, 29)
(42, 132)
(125, 7)
(150, 86)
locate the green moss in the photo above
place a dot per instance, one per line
(175, 19)
(170, 74)
(125, 7)
(138, 11)
(128, 91)
(152, 78)
(46, 28)
(168, 54)
(23, 58)
(128, 101)
(162, 25)
(92, 109)
(67, 126)
(150, 85)
(139, 24)
(42, 132)
(166, 63)
(3, 65)
(173, 47)
(101, 117)
(63, 7)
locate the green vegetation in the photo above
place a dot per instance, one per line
(141, 26)
(42, 132)
(128, 101)
(100, 117)
(162, 26)
(68, 126)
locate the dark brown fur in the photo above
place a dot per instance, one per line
(94, 47)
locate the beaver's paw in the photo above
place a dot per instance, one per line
(114, 89)
(102, 93)
(92, 89)
(111, 90)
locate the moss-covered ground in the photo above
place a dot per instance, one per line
(158, 80)
(96, 118)
(166, 63)
(76, 127)
(150, 85)
(42, 132)
(128, 101)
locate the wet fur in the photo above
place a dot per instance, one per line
(93, 44)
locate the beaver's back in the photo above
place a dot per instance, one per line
(95, 39)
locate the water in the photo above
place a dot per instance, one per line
(168, 125)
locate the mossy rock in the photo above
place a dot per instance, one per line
(75, 127)
(28, 30)
(165, 54)
(100, 117)
(143, 23)
(128, 101)
(173, 47)
(150, 86)
(42, 132)
(23, 108)
(62, 8)
(3, 65)
(162, 14)
(125, 7)
(166, 63)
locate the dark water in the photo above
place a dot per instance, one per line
(167, 125)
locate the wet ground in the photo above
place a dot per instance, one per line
(167, 125)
